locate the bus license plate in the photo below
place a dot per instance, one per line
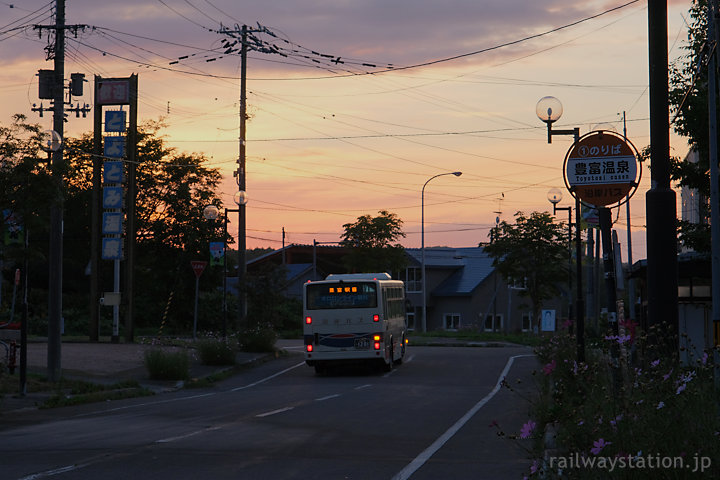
(362, 343)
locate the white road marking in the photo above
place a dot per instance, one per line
(321, 399)
(420, 460)
(274, 412)
(363, 386)
(268, 378)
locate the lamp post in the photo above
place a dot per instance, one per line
(549, 110)
(211, 212)
(422, 248)
(554, 195)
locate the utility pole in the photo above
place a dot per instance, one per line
(56, 207)
(55, 255)
(662, 266)
(240, 174)
(712, 37)
(242, 264)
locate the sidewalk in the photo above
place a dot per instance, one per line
(110, 363)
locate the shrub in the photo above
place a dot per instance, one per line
(216, 351)
(260, 338)
(167, 365)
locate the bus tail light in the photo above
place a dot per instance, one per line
(308, 320)
(376, 341)
(376, 318)
(309, 348)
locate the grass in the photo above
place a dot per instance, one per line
(68, 392)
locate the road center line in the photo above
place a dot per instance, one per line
(274, 412)
(321, 399)
(420, 460)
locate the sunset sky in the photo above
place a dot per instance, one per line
(452, 87)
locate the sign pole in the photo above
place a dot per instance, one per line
(198, 267)
(195, 317)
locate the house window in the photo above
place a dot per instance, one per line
(527, 322)
(493, 323)
(411, 320)
(414, 279)
(451, 321)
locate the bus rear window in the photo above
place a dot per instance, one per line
(341, 295)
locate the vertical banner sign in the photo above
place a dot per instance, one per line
(113, 92)
(217, 253)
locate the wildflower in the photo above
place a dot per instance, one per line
(617, 419)
(667, 375)
(687, 377)
(655, 363)
(660, 405)
(527, 429)
(548, 369)
(534, 467)
(680, 389)
(598, 445)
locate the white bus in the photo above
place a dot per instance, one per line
(354, 318)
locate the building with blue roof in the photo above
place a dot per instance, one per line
(464, 291)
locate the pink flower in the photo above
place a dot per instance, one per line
(598, 445)
(527, 429)
(548, 369)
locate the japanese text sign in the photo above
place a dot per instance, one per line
(113, 91)
(601, 168)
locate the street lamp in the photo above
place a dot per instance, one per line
(549, 110)
(422, 240)
(211, 212)
(554, 195)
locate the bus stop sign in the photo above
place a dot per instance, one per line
(602, 169)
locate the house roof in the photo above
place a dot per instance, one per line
(472, 266)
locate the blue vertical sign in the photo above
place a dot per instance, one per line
(115, 121)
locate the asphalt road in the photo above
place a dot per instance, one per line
(427, 419)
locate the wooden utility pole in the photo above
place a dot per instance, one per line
(56, 206)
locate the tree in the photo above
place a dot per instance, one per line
(173, 188)
(689, 103)
(370, 240)
(533, 250)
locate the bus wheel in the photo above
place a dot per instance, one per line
(389, 366)
(402, 353)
